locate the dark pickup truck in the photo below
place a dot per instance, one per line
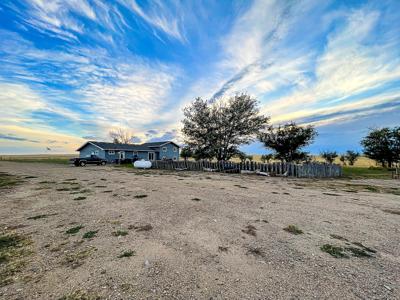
(91, 160)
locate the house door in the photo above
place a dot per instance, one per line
(121, 155)
(151, 156)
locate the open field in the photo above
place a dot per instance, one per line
(120, 233)
(47, 158)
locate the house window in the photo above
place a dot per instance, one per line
(174, 158)
(175, 149)
(111, 152)
(96, 152)
(164, 149)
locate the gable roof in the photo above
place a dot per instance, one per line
(127, 147)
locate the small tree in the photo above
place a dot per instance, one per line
(342, 158)
(265, 158)
(329, 156)
(383, 145)
(217, 130)
(241, 155)
(121, 136)
(352, 156)
(287, 141)
(249, 157)
(186, 153)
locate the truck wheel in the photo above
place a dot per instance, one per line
(103, 163)
(82, 164)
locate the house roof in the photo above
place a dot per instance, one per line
(127, 147)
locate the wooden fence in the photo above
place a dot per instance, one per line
(310, 170)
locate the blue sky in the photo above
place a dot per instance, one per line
(72, 70)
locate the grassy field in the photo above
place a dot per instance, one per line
(366, 173)
(42, 158)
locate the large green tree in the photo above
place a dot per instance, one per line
(288, 140)
(216, 130)
(383, 145)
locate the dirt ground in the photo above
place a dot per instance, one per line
(185, 235)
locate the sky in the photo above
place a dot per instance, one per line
(73, 70)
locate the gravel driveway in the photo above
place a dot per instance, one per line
(119, 233)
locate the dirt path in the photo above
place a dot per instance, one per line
(198, 236)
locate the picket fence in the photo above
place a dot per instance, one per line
(309, 170)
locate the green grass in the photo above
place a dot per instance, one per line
(340, 252)
(13, 250)
(363, 173)
(90, 234)
(293, 229)
(128, 253)
(337, 252)
(74, 230)
(8, 181)
(63, 161)
(39, 158)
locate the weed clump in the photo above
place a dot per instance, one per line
(340, 252)
(80, 198)
(74, 230)
(128, 253)
(293, 229)
(337, 252)
(90, 234)
(140, 196)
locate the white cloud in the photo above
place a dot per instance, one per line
(17, 101)
(135, 100)
(161, 17)
(349, 65)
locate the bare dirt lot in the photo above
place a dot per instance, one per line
(119, 233)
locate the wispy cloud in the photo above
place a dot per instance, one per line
(165, 19)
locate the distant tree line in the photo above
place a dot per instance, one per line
(216, 130)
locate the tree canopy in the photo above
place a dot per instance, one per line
(383, 145)
(287, 140)
(352, 156)
(329, 156)
(216, 130)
